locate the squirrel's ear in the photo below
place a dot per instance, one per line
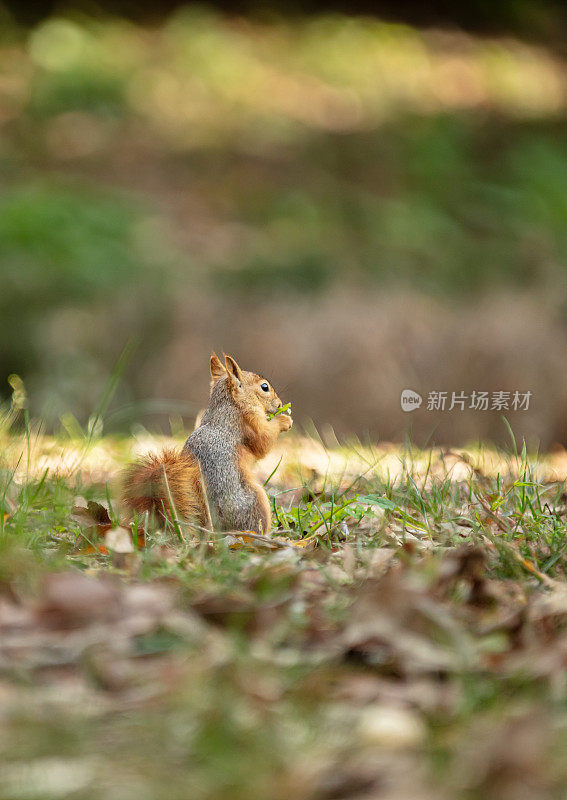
(218, 370)
(233, 370)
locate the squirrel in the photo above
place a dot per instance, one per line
(210, 482)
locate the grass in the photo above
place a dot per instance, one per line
(412, 613)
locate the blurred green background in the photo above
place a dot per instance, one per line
(350, 204)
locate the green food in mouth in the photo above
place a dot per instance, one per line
(281, 410)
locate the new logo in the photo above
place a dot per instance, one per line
(410, 400)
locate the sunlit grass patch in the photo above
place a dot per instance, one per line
(369, 495)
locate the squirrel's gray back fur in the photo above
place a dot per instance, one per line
(215, 444)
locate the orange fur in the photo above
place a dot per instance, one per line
(260, 433)
(149, 483)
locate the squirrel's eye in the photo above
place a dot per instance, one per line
(264, 386)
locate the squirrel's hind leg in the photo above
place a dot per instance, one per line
(257, 516)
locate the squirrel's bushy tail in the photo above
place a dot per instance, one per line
(163, 484)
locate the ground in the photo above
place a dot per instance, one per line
(400, 635)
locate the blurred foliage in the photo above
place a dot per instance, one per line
(347, 143)
(535, 19)
(59, 244)
(62, 246)
(278, 158)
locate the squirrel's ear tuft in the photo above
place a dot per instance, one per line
(233, 370)
(218, 370)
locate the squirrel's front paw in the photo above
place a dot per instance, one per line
(285, 422)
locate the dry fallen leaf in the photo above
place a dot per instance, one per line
(71, 599)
